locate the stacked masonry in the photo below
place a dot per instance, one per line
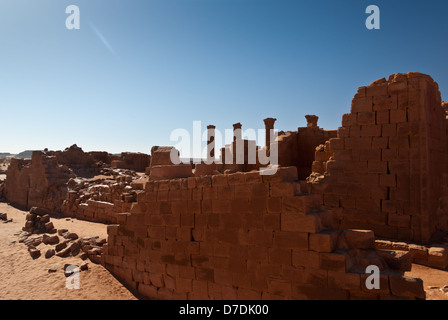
(244, 236)
(389, 159)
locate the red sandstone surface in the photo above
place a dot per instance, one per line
(374, 192)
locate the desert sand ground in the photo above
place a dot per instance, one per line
(23, 278)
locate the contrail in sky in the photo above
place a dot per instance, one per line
(102, 38)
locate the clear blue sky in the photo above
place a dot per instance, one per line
(138, 69)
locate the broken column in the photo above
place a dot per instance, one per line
(311, 121)
(211, 143)
(269, 127)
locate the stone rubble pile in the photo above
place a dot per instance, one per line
(39, 230)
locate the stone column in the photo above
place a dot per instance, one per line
(311, 121)
(237, 132)
(211, 143)
(269, 125)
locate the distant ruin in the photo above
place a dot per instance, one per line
(373, 192)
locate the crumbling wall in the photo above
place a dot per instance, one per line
(75, 158)
(17, 182)
(244, 236)
(297, 148)
(133, 161)
(40, 182)
(388, 160)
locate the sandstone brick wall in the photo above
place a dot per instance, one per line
(389, 159)
(243, 236)
(40, 182)
(296, 148)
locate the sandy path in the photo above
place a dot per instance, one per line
(23, 278)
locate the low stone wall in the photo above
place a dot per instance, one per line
(244, 236)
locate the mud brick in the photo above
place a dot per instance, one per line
(355, 132)
(151, 186)
(377, 90)
(403, 286)
(240, 205)
(363, 143)
(389, 154)
(399, 142)
(312, 292)
(293, 205)
(194, 206)
(333, 261)
(377, 167)
(151, 196)
(283, 189)
(187, 220)
(294, 240)
(349, 120)
(248, 294)
(164, 185)
(343, 132)
(331, 200)
(378, 193)
(209, 193)
(300, 223)
(200, 288)
(259, 190)
(280, 287)
(236, 178)
(342, 280)
(258, 253)
(260, 237)
(221, 206)
(316, 277)
(191, 182)
(368, 204)
(178, 207)
(242, 191)
(186, 194)
(361, 104)
(403, 221)
(343, 155)
(366, 118)
(361, 92)
(399, 167)
(371, 131)
(398, 87)
(162, 195)
(336, 144)
(220, 180)
(223, 277)
(398, 116)
(196, 194)
(382, 117)
(204, 182)
(415, 113)
(324, 241)
(403, 129)
(258, 206)
(370, 155)
(438, 257)
(359, 239)
(305, 258)
(389, 130)
(388, 180)
(252, 177)
(271, 221)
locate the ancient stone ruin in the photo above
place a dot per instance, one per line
(372, 193)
